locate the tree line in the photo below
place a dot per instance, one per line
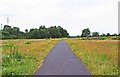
(9, 32)
(87, 33)
(42, 32)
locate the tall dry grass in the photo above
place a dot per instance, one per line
(99, 56)
(24, 56)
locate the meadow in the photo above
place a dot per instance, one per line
(99, 56)
(24, 56)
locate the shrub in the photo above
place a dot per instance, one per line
(103, 38)
(28, 42)
(12, 37)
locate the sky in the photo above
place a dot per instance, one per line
(73, 15)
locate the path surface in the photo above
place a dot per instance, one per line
(61, 61)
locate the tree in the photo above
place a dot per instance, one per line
(54, 32)
(108, 34)
(95, 34)
(15, 31)
(114, 34)
(7, 28)
(32, 29)
(42, 27)
(119, 34)
(36, 34)
(5, 34)
(63, 32)
(44, 32)
(26, 30)
(86, 32)
(33, 34)
(103, 34)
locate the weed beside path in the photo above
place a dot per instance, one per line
(24, 56)
(100, 56)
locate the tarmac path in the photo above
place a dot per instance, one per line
(61, 61)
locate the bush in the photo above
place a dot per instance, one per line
(103, 38)
(115, 38)
(28, 42)
(12, 37)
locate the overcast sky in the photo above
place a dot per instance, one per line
(73, 15)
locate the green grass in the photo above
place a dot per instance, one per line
(24, 57)
(99, 56)
(17, 65)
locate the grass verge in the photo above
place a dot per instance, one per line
(100, 56)
(24, 56)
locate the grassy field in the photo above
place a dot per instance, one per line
(100, 56)
(24, 56)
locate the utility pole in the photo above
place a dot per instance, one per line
(1, 26)
(7, 21)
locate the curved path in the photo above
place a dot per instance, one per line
(61, 61)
